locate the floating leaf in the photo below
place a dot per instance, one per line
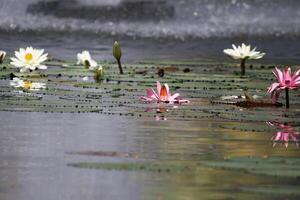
(271, 166)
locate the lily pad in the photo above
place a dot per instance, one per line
(271, 166)
(204, 85)
(138, 166)
(275, 191)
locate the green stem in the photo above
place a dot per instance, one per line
(243, 67)
(287, 98)
(1, 59)
(120, 67)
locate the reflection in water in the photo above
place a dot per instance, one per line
(36, 151)
(160, 118)
(286, 135)
(159, 111)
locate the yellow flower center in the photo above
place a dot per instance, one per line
(27, 85)
(28, 57)
(163, 93)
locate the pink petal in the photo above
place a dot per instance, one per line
(285, 137)
(278, 136)
(296, 74)
(273, 87)
(175, 96)
(158, 86)
(168, 90)
(295, 81)
(152, 94)
(287, 74)
(279, 75)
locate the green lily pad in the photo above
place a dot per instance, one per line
(138, 166)
(275, 191)
(272, 166)
(204, 84)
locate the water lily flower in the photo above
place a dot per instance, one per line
(243, 53)
(99, 73)
(27, 85)
(286, 81)
(29, 59)
(84, 58)
(284, 136)
(163, 95)
(2, 56)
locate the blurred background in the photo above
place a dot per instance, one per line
(152, 29)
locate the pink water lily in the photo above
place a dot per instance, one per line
(286, 81)
(163, 95)
(286, 135)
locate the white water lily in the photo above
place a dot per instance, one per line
(2, 56)
(27, 85)
(29, 59)
(84, 58)
(243, 53)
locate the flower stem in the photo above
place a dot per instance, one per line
(120, 66)
(243, 67)
(287, 98)
(1, 59)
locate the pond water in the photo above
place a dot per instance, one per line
(38, 150)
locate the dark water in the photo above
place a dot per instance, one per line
(191, 19)
(198, 29)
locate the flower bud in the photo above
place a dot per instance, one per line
(117, 51)
(99, 73)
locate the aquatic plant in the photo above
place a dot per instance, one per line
(26, 85)
(286, 81)
(117, 53)
(84, 58)
(163, 95)
(2, 56)
(160, 167)
(99, 73)
(285, 135)
(243, 53)
(287, 167)
(119, 94)
(29, 59)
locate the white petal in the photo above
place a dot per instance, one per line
(42, 67)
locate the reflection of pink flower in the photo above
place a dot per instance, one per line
(158, 118)
(285, 81)
(287, 134)
(163, 95)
